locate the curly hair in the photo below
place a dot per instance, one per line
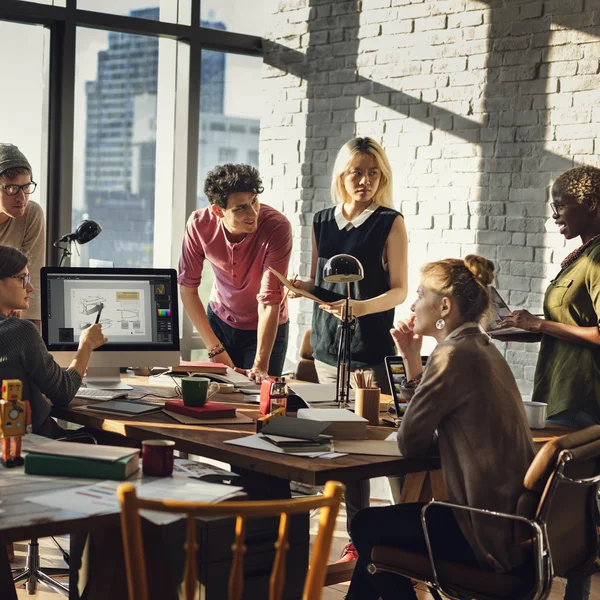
(579, 183)
(466, 280)
(225, 179)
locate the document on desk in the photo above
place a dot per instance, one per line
(101, 498)
(316, 393)
(257, 442)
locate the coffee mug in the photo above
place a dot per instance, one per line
(536, 414)
(197, 390)
(157, 458)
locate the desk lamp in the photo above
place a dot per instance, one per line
(86, 231)
(344, 268)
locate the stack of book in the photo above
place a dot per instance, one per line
(92, 461)
(190, 366)
(342, 424)
(294, 435)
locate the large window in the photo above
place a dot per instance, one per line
(230, 112)
(24, 99)
(115, 159)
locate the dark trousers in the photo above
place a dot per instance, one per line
(400, 526)
(241, 344)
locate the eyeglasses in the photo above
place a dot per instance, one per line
(25, 279)
(11, 189)
(557, 207)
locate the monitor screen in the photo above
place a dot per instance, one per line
(138, 310)
(136, 307)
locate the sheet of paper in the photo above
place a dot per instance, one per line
(88, 499)
(290, 286)
(316, 393)
(101, 498)
(392, 437)
(237, 420)
(255, 442)
(370, 447)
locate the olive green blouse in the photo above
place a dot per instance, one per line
(567, 375)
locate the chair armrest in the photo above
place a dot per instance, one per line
(540, 535)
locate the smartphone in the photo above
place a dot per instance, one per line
(396, 372)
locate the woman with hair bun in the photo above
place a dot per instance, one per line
(467, 399)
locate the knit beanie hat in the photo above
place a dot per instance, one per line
(11, 157)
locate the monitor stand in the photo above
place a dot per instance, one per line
(105, 378)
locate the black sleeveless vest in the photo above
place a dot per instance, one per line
(371, 341)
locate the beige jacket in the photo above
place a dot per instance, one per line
(469, 395)
(28, 234)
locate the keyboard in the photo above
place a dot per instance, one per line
(100, 394)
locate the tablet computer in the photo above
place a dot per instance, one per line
(124, 407)
(396, 372)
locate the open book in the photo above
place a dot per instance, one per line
(290, 286)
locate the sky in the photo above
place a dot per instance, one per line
(21, 115)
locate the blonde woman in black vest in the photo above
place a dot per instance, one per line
(364, 224)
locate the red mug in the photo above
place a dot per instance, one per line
(157, 458)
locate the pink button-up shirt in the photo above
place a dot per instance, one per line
(242, 278)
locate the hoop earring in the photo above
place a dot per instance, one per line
(440, 324)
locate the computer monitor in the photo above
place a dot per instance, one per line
(138, 310)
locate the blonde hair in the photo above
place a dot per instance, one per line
(465, 280)
(348, 151)
(579, 183)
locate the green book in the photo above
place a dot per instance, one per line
(74, 466)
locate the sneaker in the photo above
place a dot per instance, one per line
(349, 553)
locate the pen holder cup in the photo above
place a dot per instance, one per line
(367, 404)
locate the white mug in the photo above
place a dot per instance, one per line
(536, 414)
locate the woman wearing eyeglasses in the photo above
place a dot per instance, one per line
(567, 375)
(21, 221)
(23, 354)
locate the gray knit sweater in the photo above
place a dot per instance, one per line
(24, 356)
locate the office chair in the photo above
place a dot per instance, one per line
(131, 527)
(559, 513)
(32, 573)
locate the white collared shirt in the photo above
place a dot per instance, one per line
(343, 223)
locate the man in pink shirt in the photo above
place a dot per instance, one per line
(245, 324)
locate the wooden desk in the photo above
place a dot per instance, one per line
(209, 441)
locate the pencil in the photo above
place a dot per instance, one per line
(98, 315)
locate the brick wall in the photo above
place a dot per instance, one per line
(479, 106)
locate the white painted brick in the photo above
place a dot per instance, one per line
(466, 19)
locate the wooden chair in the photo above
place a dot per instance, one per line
(558, 511)
(329, 504)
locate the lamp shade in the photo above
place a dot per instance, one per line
(343, 268)
(86, 231)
